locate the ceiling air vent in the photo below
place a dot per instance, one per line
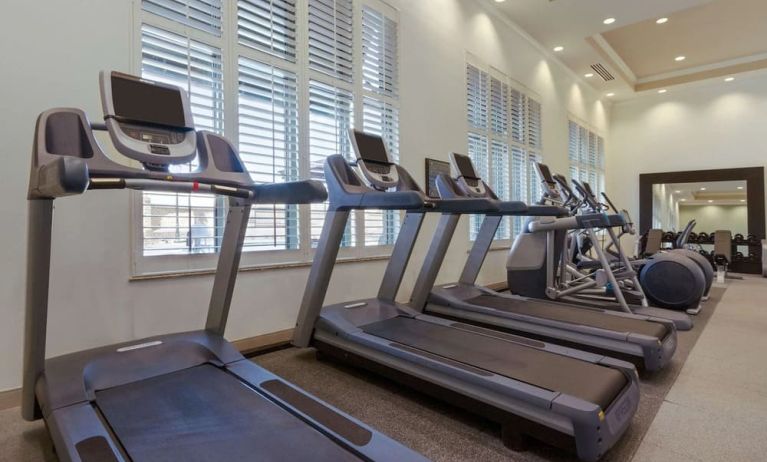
(604, 73)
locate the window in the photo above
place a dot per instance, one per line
(284, 80)
(587, 156)
(504, 141)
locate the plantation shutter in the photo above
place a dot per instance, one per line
(379, 53)
(479, 156)
(476, 94)
(268, 144)
(200, 14)
(518, 183)
(517, 116)
(268, 26)
(499, 152)
(330, 38)
(330, 118)
(183, 223)
(534, 124)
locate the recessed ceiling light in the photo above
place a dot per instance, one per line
(729, 79)
(610, 95)
(661, 21)
(702, 189)
(677, 191)
(589, 75)
(499, 1)
(559, 48)
(661, 91)
(680, 58)
(683, 200)
(743, 200)
(740, 187)
(710, 201)
(608, 21)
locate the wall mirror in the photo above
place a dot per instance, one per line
(728, 199)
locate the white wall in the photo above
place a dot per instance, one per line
(708, 125)
(51, 52)
(709, 218)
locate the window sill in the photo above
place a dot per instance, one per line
(247, 269)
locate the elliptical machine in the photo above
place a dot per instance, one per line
(542, 261)
(667, 279)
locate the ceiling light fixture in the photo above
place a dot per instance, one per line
(608, 21)
(499, 1)
(589, 75)
(661, 21)
(702, 189)
(677, 191)
(743, 200)
(680, 58)
(710, 201)
(610, 95)
(661, 91)
(729, 79)
(740, 187)
(559, 48)
(683, 200)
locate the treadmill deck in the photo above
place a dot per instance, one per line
(204, 413)
(516, 360)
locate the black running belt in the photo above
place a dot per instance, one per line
(204, 414)
(590, 382)
(573, 315)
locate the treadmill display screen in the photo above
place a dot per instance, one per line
(139, 101)
(371, 148)
(545, 173)
(465, 167)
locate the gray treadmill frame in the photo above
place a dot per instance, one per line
(60, 389)
(592, 429)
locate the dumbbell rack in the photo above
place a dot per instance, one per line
(749, 262)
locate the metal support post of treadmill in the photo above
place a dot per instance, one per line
(480, 249)
(319, 275)
(618, 293)
(628, 265)
(39, 225)
(433, 260)
(400, 256)
(228, 265)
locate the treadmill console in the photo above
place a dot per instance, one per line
(373, 160)
(548, 182)
(467, 177)
(148, 121)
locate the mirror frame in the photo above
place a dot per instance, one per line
(754, 177)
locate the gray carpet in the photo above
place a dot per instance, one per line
(437, 430)
(445, 433)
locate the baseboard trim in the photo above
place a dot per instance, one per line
(247, 346)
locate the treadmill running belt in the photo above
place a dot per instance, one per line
(590, 382)
(203, 414)
(563, 313)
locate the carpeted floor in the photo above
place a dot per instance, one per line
(439, 431)
(445, 433)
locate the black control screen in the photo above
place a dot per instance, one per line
(143, 102)
(371, 148)
(545, 173)
(465, 167)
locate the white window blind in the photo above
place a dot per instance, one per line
(268, 26)
(200, 14)
(299, 74)
(331, 38)
(268, 145)
(183, 223)
(587, 156)
(330, 118)
(504, 141)
(379, 53)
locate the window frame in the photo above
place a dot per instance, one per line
(146, 266)
(490, 136)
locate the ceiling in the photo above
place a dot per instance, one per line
(715, 193)
(718, 38)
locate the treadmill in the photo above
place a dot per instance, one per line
(573, 399)
(647, 342)
(187, 396)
